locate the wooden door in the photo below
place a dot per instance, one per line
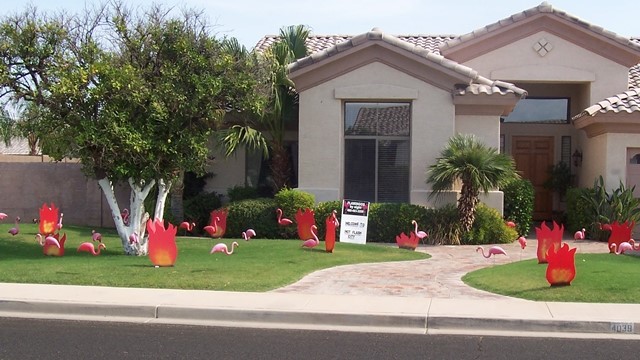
(534, 157)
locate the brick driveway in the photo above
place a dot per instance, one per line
(437, 277)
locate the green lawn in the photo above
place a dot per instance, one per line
(604, 278)
(257, 265)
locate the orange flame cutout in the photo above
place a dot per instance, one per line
(162, 243)
(48, 219)
(220, 225)
(562, 266)
(331, 223)
(407, 242)
(305, 220)
(620, 233)
(548, 238)
(50, 248)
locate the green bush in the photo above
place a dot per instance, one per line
(198, 209)
(605, 207)
(578, 214)
(519, 197)
(387, 220)
(256, 214)
(322, 210)
(488, 228)
(290, 201)
(443, 225)
(238, 193)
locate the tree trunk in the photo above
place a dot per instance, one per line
(176, 198)
(163, 191)
(280, 167)
(137, 216)
(467, 206)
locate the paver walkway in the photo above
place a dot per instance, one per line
(437, 277)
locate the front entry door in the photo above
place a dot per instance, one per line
(534, 157)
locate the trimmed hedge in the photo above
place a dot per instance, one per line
(519, 198)
(488, 228)
(387, 220)
(257, 214)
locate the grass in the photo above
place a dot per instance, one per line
(257, 265)
(603, 278)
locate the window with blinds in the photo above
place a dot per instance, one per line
(377, 142)
(565, 150)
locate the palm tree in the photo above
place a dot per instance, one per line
(266, 132)
(476, 166)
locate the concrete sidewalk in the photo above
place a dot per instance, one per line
(435, 304)
(327, 312)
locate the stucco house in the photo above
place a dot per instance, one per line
(542, 85)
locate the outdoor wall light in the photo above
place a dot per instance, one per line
(577, 158)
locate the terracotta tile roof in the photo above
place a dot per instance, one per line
(628, 101)
(317, 43)
(396, 121)
(545, 7)
(18, 146)
(482, 85)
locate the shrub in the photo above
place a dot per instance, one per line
(322, 210)
(290, 201)
(519, 197)
(238, 193)
(578, 214)
(488, 228)
(604, 207)
(257, 214)
(387, 220)
(199, 207)
(443, 225)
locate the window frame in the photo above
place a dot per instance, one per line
(377, 138)
(566, 120)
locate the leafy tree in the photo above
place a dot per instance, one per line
(266, 131)
(134, 96)
(477, 166)
(6, 127)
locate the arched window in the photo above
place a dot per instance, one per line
(635, 159)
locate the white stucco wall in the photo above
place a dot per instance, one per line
(594, 159)
(228, 172)
(566, 62)
(616, 169)
(321, 126)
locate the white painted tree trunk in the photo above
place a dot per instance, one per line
(137, 215)
(163, 191)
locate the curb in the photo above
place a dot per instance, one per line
(389, 323)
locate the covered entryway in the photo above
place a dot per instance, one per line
(533, 156)
(633, 170)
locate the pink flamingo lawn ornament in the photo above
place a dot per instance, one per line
(248, 234)
(59, 224)
(133, 238)
(523, 244)
(624, 246)
(212, 229)
(3, 216)
(16, 229)
(96, 236)
(579, 235)
(187, 226)
(633, 243)
(125, 216)
(311, 243)
(494, 250)
(222, 247)
(419, 233)
(510, 224)
(90, 248)
(283, 221)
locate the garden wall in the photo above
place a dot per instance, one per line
(26, 182)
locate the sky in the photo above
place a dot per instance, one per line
(250, 20)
